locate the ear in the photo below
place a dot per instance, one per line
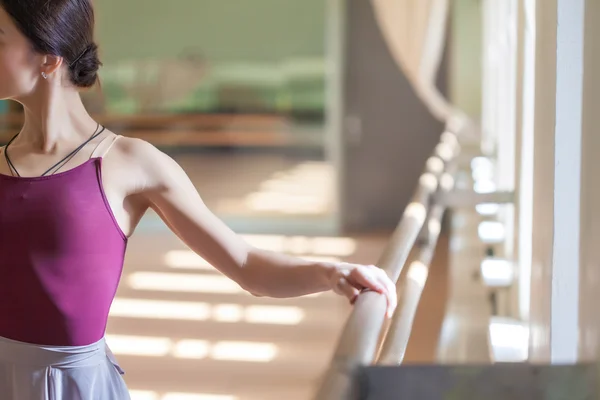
(51, 64)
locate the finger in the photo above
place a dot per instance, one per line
(344, 288)
(365, 277)
(374, 278)
(388, 284)
(391, 294)
(392, 297)
(358, 294)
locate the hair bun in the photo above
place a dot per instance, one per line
(84, 68)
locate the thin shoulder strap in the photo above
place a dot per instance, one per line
(107, 149)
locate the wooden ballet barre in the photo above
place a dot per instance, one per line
(360, 339)
(410, 287)
(163, 134)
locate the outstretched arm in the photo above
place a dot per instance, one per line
(169, 191)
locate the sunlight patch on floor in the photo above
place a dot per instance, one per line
(150, 395)
(202, 311)
(305, 189)
(146, 346)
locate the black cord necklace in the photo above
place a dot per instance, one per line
(59, 164)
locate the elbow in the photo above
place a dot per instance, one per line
(250, 281)
(254, 290)
(250, 285)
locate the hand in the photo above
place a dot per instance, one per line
(351, 279)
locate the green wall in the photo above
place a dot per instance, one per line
(466, 49)
(222, 30)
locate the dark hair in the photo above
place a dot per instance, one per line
(62, 28)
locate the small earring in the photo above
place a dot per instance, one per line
(44, 75)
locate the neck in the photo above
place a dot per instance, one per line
(55, 116)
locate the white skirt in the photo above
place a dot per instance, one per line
(34, 372)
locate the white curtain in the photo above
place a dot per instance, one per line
(415, 32)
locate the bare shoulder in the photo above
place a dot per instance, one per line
(136, 150)
(144, 160)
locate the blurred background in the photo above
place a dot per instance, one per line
(244, 85)
(318, 128)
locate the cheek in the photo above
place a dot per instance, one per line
(17, 73)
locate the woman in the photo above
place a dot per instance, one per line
(71, 193)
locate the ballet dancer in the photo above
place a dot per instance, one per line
(72, 193)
